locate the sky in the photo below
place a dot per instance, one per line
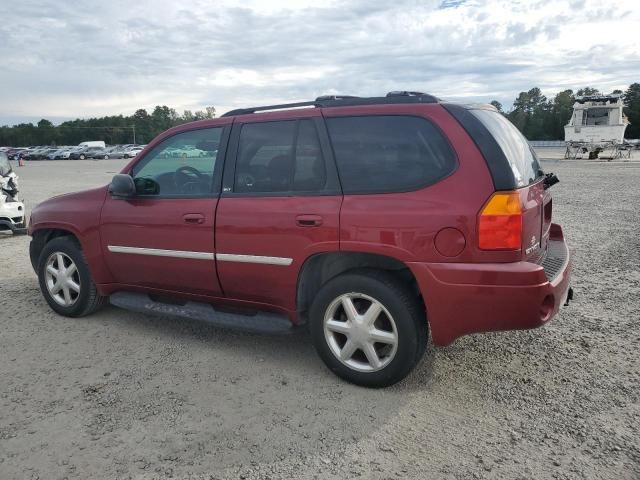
(81, 59)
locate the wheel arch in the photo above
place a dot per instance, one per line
(42, 236)
(318, 269)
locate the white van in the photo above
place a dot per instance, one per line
(96, 143)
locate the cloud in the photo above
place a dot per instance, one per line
(88, 58)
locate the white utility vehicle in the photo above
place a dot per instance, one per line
(93, 143)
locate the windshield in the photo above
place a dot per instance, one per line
(521, 157)
(5, 166)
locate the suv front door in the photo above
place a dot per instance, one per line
(280, 204)
(163, 237)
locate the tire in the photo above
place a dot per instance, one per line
(106, 157)
(401, 319)
(82, 157)
(82, 301)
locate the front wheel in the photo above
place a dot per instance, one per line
(82, 157)
(65, 280)
(368, 328)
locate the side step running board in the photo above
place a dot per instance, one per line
(262, 322)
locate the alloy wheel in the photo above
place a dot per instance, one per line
(62, 279)
(360, 332)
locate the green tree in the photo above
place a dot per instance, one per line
(586, 91)
(496, 104)
(562, 110)
(187, 116)
(143, 125)
(162, 118)
(113, 129)
(531, 114)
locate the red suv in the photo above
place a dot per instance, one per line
(372, 220)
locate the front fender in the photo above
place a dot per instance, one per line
(77, 214)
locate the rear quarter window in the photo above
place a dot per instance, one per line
(520, 156)
(384, 154)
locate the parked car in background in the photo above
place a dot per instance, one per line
(117, 152)
(56, 154)
(133, 151)
(375, 221)
(85, 152)
(13, 153)
(38, 153)
(63, 153)
(12, 212)
(99, 153)
(66, 155)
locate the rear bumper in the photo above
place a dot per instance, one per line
(463, 298)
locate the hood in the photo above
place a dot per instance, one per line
(75, 211)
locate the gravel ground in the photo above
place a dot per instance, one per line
(124, 395)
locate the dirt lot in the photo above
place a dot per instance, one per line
(124, 395)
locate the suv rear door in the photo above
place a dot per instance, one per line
(280, 204)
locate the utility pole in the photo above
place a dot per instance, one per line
(134, 133)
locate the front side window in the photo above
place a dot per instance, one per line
(279, 157)
(383, 154)
(182, 165)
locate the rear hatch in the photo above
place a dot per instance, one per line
(525, 176)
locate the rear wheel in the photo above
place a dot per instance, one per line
(65, 280)
(368, 328)
(82, 157)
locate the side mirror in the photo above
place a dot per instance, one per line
(122, 186)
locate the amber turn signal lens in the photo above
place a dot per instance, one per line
(500, 222)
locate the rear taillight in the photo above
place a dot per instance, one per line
(500, 222)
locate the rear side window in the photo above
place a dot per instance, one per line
(382, 154)
(516, 148)
(280, 157)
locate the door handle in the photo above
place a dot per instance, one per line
(308, 220)
(193, 218)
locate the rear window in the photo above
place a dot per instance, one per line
(382, 154)
(516, 148)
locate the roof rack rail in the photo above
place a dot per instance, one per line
(326, 101)
(245, 111)
(405, 93)
(324, 98)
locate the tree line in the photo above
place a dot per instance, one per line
(537, 117)
(540, 118)
(113, 129)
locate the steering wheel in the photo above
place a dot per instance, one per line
(246, 181)
(192, 180)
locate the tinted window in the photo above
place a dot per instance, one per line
(279, 157)
(523, 161)
(181, 165)
(309, 168)
(389, 153)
